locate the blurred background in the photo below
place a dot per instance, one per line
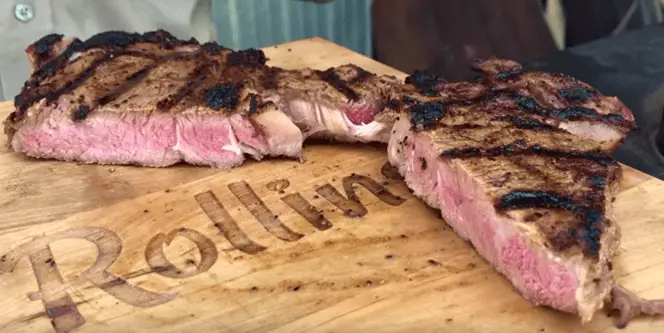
(442, 36)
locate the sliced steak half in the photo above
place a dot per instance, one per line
(532, 198)
(152, 100)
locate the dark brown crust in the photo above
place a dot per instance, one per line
(132, 81)
(330, 76)
(246, 58)
(223, 96)
(214, 65)
(196, 78)
(113, 40)
(43, 49)
(112, 44)
(552, 97)
(521, 147)
(426, 82)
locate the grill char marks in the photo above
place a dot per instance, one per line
(426, 115)
(121, 39)
(567, 113)
(43, 45)
(108, 40)
(522, 199)
(543, 175)
(331, 77)
(590, 215)
(196, 78)
(43, 49)
(526, 124)
(51, 96)
(225, 95)
(528, 106)
(127, 85)
(577, 94)
(425, 82)
(541, 98)
(520, 147)
(159, 45)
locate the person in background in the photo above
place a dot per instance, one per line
(237, 24)
(445, 37)
(23, 22)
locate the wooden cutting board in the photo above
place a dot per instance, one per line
(90, 248)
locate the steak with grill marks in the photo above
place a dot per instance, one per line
(510, 92)
(153, 100)
(529, 191)
(517, 161)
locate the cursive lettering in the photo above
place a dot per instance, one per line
(314, 216)
(226, 225)
(53, 291)
(156, 259)
(352, 206)
(259, 210)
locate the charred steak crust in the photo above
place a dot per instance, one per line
(524, 110)
(113, 44)
(43, 49)
(425, 82)
(330, 76)
(246, 58)
(112, 47)
(225, 95)
(115, 40)
(573, 98)
(43, 45)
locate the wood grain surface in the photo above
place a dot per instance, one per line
(333, 244)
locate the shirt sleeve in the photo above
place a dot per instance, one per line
(84, 18)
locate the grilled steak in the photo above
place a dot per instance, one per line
(513, 172)
(533, 98)
(45, 49)
(517, 161)
(153, 100)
